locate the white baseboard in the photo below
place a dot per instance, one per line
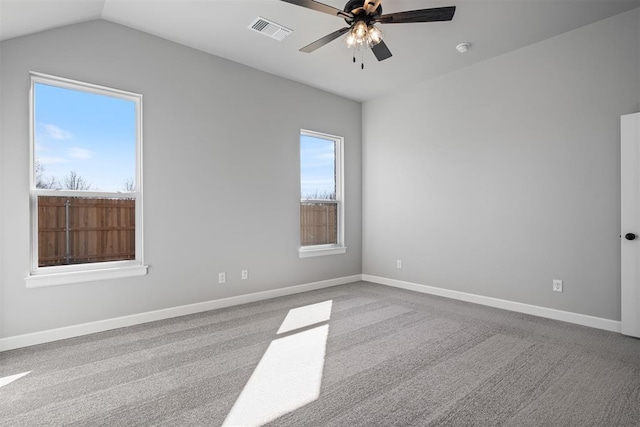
(41, 337)
(550, 313)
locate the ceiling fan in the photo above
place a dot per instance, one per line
(361, 15)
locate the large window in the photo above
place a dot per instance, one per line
(86, 182)
(321, 198)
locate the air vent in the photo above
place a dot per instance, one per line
(270, 29)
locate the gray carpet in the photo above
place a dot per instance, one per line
(393, 358)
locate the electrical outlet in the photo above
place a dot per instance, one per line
(557, 285)
(245, 274)
(399, 263)
(222, 277)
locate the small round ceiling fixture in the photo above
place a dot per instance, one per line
(463, 47)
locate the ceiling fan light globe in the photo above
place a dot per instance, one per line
(375, 35)
(360, 30)
(350, 41)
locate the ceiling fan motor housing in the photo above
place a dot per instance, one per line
(356, 8)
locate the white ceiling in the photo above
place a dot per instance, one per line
(420, 51)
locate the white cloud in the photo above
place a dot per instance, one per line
(317, 182)
(56, 133)
(51, 160)
(79, 153)
(326, 156)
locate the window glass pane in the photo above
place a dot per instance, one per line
(83, 140)
(317, 168)
(85, 137)
(79, 230)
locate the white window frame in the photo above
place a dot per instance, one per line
(79, 273)
(339, 247)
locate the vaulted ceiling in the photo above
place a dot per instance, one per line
(420, 50)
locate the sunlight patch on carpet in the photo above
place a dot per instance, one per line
(11, 378)
(306, 316)
(289, 375)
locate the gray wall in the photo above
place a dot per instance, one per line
(221, 175)
(492, 180)
(500, 177)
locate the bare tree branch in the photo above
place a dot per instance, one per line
(43, 182)
(129, 185)
(73, 181)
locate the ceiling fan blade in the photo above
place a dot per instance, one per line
(422, 15)
(320, 7)
(324, 40)
(381, 51)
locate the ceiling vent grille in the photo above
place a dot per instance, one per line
(270, 29)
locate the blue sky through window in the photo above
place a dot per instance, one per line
(91, 134)
(317, 167)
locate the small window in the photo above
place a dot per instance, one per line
(321, 201)
(86, 183)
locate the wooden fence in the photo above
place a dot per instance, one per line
(77, 230)
(318, 223)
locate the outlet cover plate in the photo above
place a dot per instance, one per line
(557, 285)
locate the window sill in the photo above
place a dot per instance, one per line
(313, 251)
(81, 276)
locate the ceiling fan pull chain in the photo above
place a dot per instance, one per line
(362, 59)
